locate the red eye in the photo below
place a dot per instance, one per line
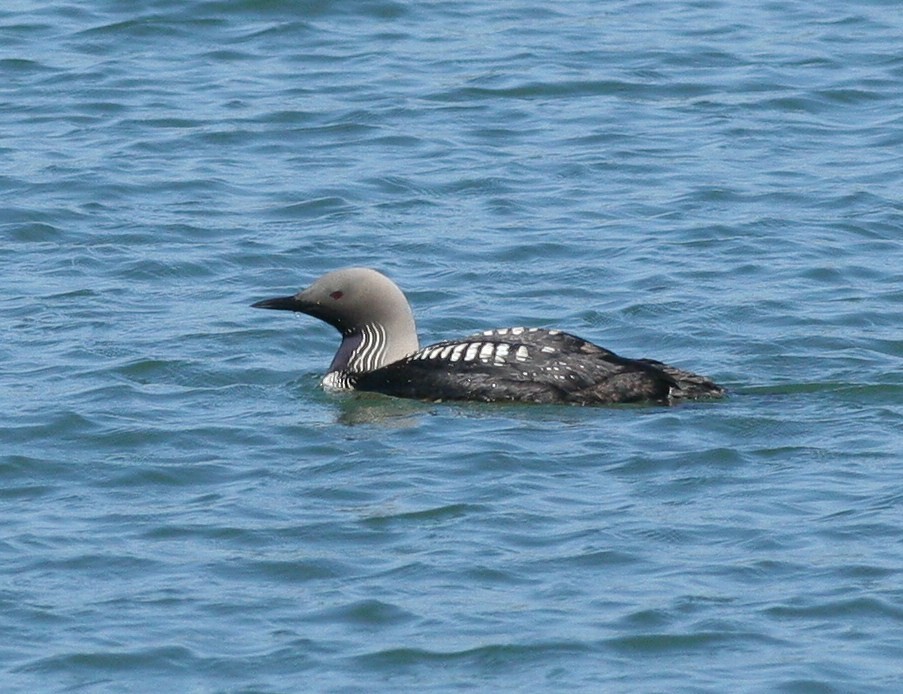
(337, 295)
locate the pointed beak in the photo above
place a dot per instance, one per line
(282, 303)
(299, 303)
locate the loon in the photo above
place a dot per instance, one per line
(380, 353)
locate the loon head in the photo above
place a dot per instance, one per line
(366, 307)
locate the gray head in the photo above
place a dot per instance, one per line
(366, 307)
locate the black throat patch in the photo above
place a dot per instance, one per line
(346, 349)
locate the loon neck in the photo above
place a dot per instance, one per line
(371, 346)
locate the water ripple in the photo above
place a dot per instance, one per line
(185, 509)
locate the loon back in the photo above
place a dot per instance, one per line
(531, 365)
(379, 353)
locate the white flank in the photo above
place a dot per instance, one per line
(335, 381)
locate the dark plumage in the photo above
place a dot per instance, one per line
(379, 353)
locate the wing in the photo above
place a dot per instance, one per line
(519, 365)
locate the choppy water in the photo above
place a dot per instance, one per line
(712, 184)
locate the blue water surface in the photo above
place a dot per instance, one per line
(714, 184)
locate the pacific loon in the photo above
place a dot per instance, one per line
(380, 353)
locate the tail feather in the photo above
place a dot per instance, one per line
(690, 386)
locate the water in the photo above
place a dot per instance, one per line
(711, 184)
